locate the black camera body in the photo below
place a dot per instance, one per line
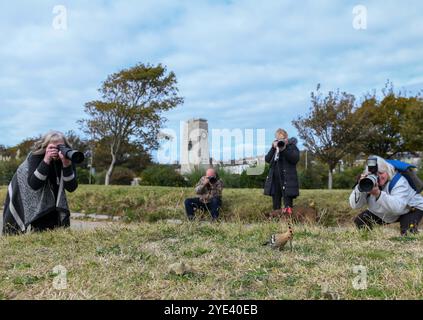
(70, 154)
(372, 165)
(370, 181)
(212, 180)
(281, 144)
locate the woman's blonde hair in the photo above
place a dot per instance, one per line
(52, 136)
(281, 134)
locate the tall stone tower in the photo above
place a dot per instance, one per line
(195, 151)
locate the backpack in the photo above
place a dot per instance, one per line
(408, 172)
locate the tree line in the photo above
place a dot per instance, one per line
(122, 129)
(337, 127)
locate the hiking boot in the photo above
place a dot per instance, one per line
(287, 211)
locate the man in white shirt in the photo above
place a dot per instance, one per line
(384, 206)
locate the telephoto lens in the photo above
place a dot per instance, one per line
(281, 143)
(70, 154)
(368, 183)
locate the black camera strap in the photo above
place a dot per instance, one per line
(56, 172)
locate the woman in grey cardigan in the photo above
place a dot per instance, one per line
(36, 198)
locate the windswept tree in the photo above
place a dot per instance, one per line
(412, 125)
(130, 109)
(130, 155)
(394, 123)
(331, 129)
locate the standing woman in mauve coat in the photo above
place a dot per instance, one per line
(282, 180)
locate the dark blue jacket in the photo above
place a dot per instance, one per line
(286, 167)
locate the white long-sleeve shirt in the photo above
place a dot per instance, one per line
(388, 206)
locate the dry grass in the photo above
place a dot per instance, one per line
(156, 203)
(131, 262)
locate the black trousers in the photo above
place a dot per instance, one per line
(277, 202)
(49, 221)
(408, 222)
(192, 204)
(278, 195)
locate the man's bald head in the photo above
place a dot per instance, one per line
(210, 172)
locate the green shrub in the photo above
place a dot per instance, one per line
(193, 176)
(230, 180)
(100, 177)
(254, 181)
(162, 175)
(7, 170)
(347, 178)
(120, 176)
(83, 176)
(314, 177)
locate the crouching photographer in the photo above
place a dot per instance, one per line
(209, 190)
(389, 198)
(36, 198)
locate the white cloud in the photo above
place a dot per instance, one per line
(241, 64)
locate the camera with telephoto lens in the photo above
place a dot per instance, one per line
(281, 143)
(70, 154)
(370, 181)
(212, 180)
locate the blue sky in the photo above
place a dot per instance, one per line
(240, 64)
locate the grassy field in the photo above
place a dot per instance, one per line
(151, 204)
(228, 261)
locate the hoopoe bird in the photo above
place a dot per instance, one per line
(279, 240)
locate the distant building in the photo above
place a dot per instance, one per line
(195, 151)
(238, 166)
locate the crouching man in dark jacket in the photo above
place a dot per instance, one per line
(282, 180)
(209, 190)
